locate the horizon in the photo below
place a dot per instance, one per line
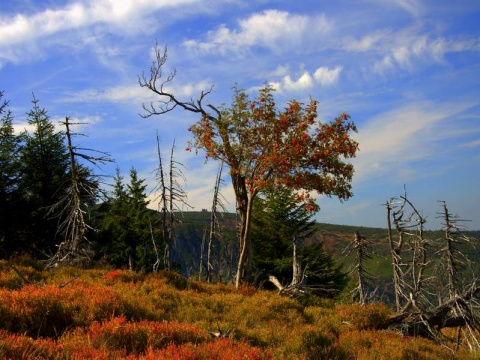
(406, 71)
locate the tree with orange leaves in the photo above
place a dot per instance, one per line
(264, 147)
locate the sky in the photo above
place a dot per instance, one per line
(406, 71)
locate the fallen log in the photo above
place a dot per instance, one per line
(455, 312)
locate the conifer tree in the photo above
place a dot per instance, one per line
(10, 173)
(45, 164)
(279, 220)
(125, 237)
(140, 219)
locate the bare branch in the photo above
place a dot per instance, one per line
(167, 101)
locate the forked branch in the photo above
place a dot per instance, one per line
(159, 85)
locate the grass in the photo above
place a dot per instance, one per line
(116, 314)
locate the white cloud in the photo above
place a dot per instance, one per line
(24, 126)
(406, 50)
(79, 14)
(392, 141)
(472, 144)
(303, 82)
(273, 29)
(325, 76)
(366, 43)
(23, 37)
(136, 94)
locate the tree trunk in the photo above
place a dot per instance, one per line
(244, 211)
(297, 277)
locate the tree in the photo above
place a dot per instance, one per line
(171, 195)
(278, 217)
(126, 231)
(140, 218)
(217, 205)
(72, 208)
(45, 162)
(10, 174)
(282, 233)
(263, 146)
(360, 247)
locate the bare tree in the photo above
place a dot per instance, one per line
(297, 286)
(171, 197)
(416, 315)
(361, 248)
(418, 247)
(408, 252)
(163, 205)
(217, 204)
(453, 258)
(72, 208)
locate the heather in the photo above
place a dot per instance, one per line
(102, 313)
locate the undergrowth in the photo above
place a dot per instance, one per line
(116, 314)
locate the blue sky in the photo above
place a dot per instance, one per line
(407, 71)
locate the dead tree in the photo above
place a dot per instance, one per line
(217, 205)
(454, 313)
(163, 205)
(411, 269)
(409, 252)
(395, 250)
(452, 256)
(298, 284)
(71, 209)
(456, 308)
(171, 197)
(361, 248)
(157, 263)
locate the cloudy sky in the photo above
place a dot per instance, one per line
(407, 71)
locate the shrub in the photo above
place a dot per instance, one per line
(219, 349)
(389, 345)
(135, 337)
(367, 317)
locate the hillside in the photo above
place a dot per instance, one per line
(335, 239)
(113, 314)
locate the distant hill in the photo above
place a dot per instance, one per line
(335, 238)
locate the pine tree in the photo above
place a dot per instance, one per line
(45, 165)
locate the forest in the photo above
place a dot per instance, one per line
(85, 258)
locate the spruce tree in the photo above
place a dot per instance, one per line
(140, 220)
(279, 218)
(125, 239)
(10, 173)
(45, 179)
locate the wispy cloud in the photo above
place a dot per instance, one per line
(134, 94)
(272, 29)
(22, 34)
(79, 14)
(408, 48)
(392, 141)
